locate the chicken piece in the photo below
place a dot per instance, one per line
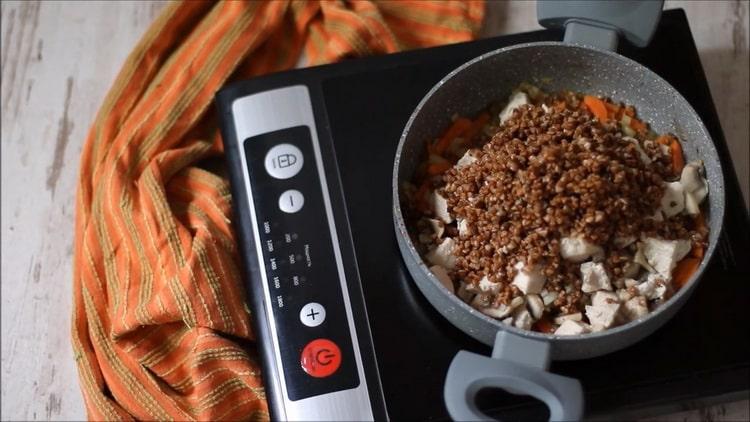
(594, 277)
(442, 275)
(571, 328)
(655, 287)
(516, 100)
(443, 254)
(577, 249)
(440, 207)
(464, 229)
(529, 279)
(635, 308)
(573, 317)
(603, 297)
(602, 316)
(487, 286)
(624, 295)
(438, 227)
(673, 200)
(535, 305)
(548, 297)
(468, 158)
(663, 255)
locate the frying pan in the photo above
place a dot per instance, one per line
(584, 62)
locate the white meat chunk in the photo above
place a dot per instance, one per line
(572, 317)
(655, 287)
(442, 275)
(487, 286)
(577, 249)
(440, 207)
(438, 227)
(663, 255)
(624, 295)
(529, 279)
(535, 305)
(673, 200)
(522, 319)
(640, 258)
(571, 328)
(692, 207)
(466, 159)
(464, 229)
(603, 297)
(443, 254)
(602, 316)
(635, 308)
(548, 297)
(516, 100)
(594, 277)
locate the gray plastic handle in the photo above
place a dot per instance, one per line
(598, 23)
(519, 366)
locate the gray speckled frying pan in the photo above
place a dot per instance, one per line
(584, 62)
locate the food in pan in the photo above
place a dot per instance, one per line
(560, 213)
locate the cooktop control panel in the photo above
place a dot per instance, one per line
(305, 295)
(300, 265)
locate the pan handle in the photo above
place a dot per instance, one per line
(519, 366)
(598, 23)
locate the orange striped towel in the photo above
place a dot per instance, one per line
(160, 328)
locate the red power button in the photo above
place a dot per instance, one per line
(321, 358)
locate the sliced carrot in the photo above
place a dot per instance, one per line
(684, 269)
(700, 223)
(459, 126)
(596, 107)
(476, 126)
(637, 125)
(421, 195)
(614, 111)
(543, 326)
(678, 161)
(675, 151)
(664, 139)
(438, 168)
(697, 251)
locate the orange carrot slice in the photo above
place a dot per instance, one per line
(678, 161)
(596, 107)
(438, 168)
(477, 126)
(460, 126)
(637, 125)
(543, 326)
(684, 269)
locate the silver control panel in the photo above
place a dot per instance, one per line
(307, 306)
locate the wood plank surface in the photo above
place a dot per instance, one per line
(58, 61)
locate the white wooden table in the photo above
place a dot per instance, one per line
(59, 59)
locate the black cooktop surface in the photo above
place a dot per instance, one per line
(703, 352)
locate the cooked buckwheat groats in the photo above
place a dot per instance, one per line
(559, 213)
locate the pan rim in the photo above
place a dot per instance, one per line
(402, 231)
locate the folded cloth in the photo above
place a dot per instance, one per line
(160, 327)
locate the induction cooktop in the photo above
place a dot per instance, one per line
(343, 332)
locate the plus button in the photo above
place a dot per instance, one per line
(312, 314)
